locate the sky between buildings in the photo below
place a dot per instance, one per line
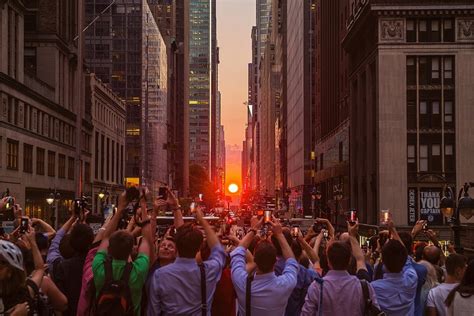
(235, 19)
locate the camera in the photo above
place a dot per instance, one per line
(8, 214)
(79, 205)
(132, 194)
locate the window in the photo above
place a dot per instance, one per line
(449, 150)
(341, 152)
(30, 59)
(448, 68)
(39, 161)
(102, 160)
(12, 154)
(96, 165)
(411, 153)
(61, 166)
(51, 163)
(423, 107)
(423, 158)
(448, 30)
(70, 168)
(449, 161)
(27, 158)
(107, 158)
(448, 111)
(435, 70)
(435, 150)
(87, 172)
(435, 107)
(411, 71)
(411, 31)
(435, 35)
(425, 71)
(321, 162)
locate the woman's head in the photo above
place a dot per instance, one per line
(431, 276)
(167, 250)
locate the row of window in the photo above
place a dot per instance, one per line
(109, 155)
(109, 118)
(430, 30)
(30, 118)
(430, 158)
(65, 165)
(430, 70)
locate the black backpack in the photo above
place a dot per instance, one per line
(115, 297)
(39, 305)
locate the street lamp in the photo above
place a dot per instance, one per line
(465, 207)
(52, 198)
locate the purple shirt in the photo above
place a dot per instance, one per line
(342, 295)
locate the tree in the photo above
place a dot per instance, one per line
(199, 184)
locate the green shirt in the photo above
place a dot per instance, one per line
(137, 279)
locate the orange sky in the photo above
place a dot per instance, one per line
(235, 19)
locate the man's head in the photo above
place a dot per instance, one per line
(456, 266)
(276, 243)
(188, 240)
(339, 255)
(407, 241)
(265, 256)
(432, 254)
(120, 245)
(82, 237)
(394, 256)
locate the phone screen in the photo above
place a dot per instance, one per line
(192, 207)
(24, 225)
(163, 193)
(295, 231)
(353, 217)
(268, 216)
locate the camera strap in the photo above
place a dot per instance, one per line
(248, 294)
(203, 290)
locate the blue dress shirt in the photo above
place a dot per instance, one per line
(396, 292)
(176, 288)
(305, 278)
(269, 292)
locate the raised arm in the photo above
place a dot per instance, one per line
(211, 236)
(112, 225)
(173, 204)
(285, 248)
(38, 273)
(330, 228)
(48, 230)
(312, 254)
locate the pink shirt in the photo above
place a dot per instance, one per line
(342, 295)
(84, 305)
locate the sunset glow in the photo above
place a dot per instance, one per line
(233, 188)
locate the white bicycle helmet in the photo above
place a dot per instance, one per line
(12, 254)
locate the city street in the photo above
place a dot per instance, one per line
(236, 157)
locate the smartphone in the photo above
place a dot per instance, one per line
(384, 217)
(267, 216)
(192, 207)
(200, 197)
(325, 233)
(368, 243)
(353, 217)
(295, 231)
(132, 194)
(425, 226)
(163, 193)
(24, 225)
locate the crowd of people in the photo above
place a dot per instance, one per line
(129, 268)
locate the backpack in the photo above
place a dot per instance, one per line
(370, 309)
(115, 297)
(39, 305)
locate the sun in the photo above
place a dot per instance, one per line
(233, 188)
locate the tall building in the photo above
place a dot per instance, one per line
(45, 130)
(117, 44)
(172, 19)
(298, 107)
(330, 105)
(410, 70)
(203, 60)
(106, 173)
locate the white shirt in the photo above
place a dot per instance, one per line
(461, 306)
(438, 295)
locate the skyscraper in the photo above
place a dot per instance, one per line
(117, 44)
(203, 61)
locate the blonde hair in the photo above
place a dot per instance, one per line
(431, 276)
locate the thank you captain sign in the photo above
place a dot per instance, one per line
(430, 199)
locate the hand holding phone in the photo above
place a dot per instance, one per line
(24, 225)
(267, 217)
(295, 231)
